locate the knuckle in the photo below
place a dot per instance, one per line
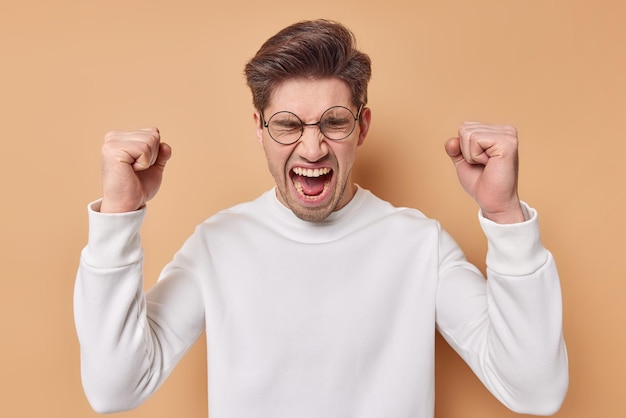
(111, 136)
(145, 147)
(510, 129)
(109, 146)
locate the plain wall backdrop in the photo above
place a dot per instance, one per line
(72, 70)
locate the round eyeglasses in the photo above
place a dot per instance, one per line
(287, 128)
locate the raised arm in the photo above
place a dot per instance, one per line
(509, 327)
(129, 341)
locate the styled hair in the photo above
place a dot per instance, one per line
(309, 49)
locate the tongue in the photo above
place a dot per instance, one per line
(312, 186)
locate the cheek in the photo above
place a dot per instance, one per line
(345, 155)
(276, 157)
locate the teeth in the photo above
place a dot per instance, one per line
(309, 172)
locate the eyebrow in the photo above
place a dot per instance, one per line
(347, 106)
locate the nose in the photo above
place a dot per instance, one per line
(312, 145)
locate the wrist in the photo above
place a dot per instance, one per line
(106, 206)
(511, 215)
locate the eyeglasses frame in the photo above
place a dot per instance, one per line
(304, 125)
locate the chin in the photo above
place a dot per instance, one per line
(310, 215)
(306, 210)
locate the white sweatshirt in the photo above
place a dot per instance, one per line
(331, 319)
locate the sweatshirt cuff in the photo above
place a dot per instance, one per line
(114, 239)
(514, 249)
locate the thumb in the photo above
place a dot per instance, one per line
(453, 149)
(165, 153)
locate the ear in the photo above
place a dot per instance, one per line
(364, 124)
(258, 124)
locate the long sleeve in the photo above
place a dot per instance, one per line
(331, 319)
(130, 341)
(509, 328)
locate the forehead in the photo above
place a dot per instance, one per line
(308, 97)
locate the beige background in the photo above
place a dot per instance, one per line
(71, 70)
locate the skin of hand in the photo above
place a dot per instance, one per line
(486, 160)
(132, 168)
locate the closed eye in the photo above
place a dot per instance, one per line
(337, 124)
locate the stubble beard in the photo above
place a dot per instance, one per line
(318, 214)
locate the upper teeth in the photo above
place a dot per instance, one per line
(310, 172)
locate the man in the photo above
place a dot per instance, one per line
(319, 299)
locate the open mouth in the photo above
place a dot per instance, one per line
(311, 183)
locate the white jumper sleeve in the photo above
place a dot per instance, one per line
(129, 341)
(510, 331)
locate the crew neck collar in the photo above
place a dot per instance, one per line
(337, 224)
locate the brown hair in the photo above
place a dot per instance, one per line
(308, 49)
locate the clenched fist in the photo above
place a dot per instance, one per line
(132, 168)
(486, 161)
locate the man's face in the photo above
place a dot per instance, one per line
(313, 175)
